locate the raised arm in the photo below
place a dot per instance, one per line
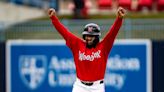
(59, 26)
(111, 35)
(116, 25)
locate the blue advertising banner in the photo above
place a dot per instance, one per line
(37, 65)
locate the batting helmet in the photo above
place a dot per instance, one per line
(91, 29)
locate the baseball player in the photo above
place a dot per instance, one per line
(90, 54)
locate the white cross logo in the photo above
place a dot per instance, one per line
(29, 68)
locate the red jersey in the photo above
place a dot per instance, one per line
(90, 63)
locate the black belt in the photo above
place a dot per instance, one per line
(91, 83)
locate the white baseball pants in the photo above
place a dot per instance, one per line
(80, 87)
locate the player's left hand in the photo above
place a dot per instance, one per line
(121, 12)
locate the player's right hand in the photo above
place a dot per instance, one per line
(51, 12)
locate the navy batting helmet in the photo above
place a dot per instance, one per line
(91, 29)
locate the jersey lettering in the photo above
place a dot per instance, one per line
(94, 55)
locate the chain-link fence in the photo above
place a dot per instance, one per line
(132, 28)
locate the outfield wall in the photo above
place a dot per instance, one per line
(158, 66)
(2, 67)
(60, 72)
